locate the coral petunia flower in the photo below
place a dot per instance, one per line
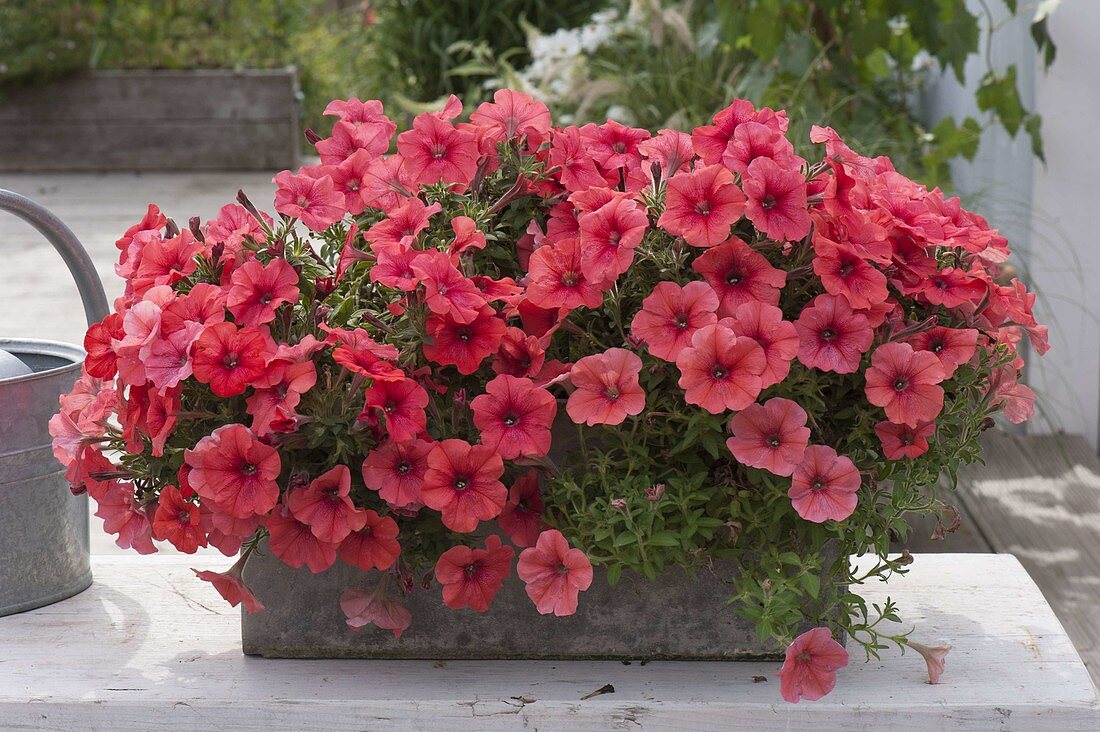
(387, 184)
(472, 577)
(720, 370)
(294, 542)
(554, 573)
(257, 290)
(374, 546)
(809, 669)
(393, 267)
(463, 345)
(902, 441)
(463, 483)
(513, 113)
(446, 290)
(608, 237)
(313, 200)
(576, 168)
(846, 274)
(521, 519)
(824, 485)
(739, 274)
(702, 205)
(375, 607)
(402, 404)
(753, 140)
(519, 354)
(613, 145)
(514, 417)
(121, 515)
(671, 315)
(952, 346)
(710, 141)
(905, 383)
(953, 288)
(396, 470)
(235, 472)
(230, 585)
(435, 150)
(779, 338)
(772, 436)
(607, 388)
(169, 359)
(229, 360)
(326, 506)
(102, 360)
(832, 337)
(558, 279)
(178, 521)
(670, 149)
(776, 200)
(402, 225)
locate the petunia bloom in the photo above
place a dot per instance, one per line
(472, 577)
(229, 359)
(402, 404)
(721, 370)
(832, 337)
(177, 521)
(772, 436)
(779, 338)
(824, 485)
(463, 345)
(902, 441)
(326, 506)
(446, 290)
(846, 274)
(739, 274)
(558, 279)
(514, 417)
(775, 200)
(435, 150)
(313, 200)
(702, 206)
(294, 542)
(952, 346)
(935, 659)
(607, 388)
(230, 585)
(235, 472)
(258, 289)
(374, 546)
(521, 519)
(463, 484)
(671, 315)
(905, 383)
(810, 666)
(396, 470)
(555, 573)
(375, 607)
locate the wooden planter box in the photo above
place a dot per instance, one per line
(154, 120)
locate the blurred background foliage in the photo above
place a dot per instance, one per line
(858, 65)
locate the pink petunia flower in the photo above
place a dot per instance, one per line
(558, 279)
(435, 150)
(702, 205)
(720, 370)
(463, 484)
(396, 470)
(710, 141)
(402, 404)
(608, 237)
(235, 472)
(230, 585)
(472, 577)
(779, 338)
(952, 346)
(670, 149)
(905, 383)
(772, 436)
(776, 200)
(177, 521)
(521, 519)
(832, 337)
(935, 659)
(374, 546)
(463, 345)
(902, 441)
(739, 274)
(513, 113)
(387, 184)
(753, 140)
(846, 274)
(824, 485)
(229, 360)
(809, 669)
(313, 200)
(576, 168)
(446, 290)
(402, 225)
(514, 417)
(257, 290)
(554, 573)
(294, 542)
(607, 388)
(375, 607)
(123, 516)
(613, 145)
(326, 506)
(671, 315)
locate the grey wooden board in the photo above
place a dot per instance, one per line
(153, 120)
(150, 647)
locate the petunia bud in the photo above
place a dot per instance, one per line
(312, 137)
(459, 398)
(196, 229)
(934, 658)
(654, 492)
(619, 504)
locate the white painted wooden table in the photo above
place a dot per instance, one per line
(150, 647)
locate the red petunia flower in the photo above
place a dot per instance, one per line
(313, 200)
(230, 585)
(846, 274)
(710, 141)
(472, 577)
(776, 200)
(468, 237)
(558, 279)
(720, 370)
(519, 354)
(123, 516)
(326, 506)
(952, 346)
(402, 225)
(554, 573)
(165, 262)
(702, 205)
(178, 521)
(375, 607)
(739, 274)
(294, 542)
(576, 168)
(229, 360)
(671, 315)
(446, 290)
(463, 483)
(670, 149)
(824, 485)
(463, 345)
(753, 140)
(396, 470)
(779, 338)
(393, 267)
(101, 360)
(899, 440)
(435, 150)
(952, 288)
(772, 436)
(257, 290)
(402, 404)
(613, 145)
(608, 237)
(235, 472)
(905, 383)
(387, 184)
(374, 546)
(832, 337)
(607, 388)
(521, 519)
(512, 114)
(809, 669)
(514, 417)
(361, 354)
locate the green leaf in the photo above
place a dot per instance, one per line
(664, 538)
(624, 539)
(614, 572)
(999, 94)
(1033, 124)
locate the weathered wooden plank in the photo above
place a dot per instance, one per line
(148, 646)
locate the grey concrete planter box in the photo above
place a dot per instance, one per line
(678, 616)
(154, 120)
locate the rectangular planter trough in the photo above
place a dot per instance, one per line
(678, 616)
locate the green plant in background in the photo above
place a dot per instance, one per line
(41, 41)
(856, 64)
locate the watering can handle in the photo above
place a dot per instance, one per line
(65, 242)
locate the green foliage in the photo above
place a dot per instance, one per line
(41, 41)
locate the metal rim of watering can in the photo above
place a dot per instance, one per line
(73, 354)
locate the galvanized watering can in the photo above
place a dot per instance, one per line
(43, 526)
